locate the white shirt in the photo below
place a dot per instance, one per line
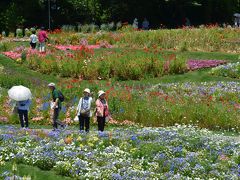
(83, 104)
(34, 38)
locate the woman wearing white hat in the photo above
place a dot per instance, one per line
(84, 110)
(101, 110)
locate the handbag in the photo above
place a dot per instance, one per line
(76, 119)
(107, 119)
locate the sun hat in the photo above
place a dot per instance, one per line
(101, 93)
(87, 90)
(51, 85)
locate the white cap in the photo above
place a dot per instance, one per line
(87, 90)
(101, 93)
(51, 85)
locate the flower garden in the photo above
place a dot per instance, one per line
(132, 153)
(174, 100)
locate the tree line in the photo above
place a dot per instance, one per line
(168, 13)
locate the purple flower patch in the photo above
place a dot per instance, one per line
(199, 64)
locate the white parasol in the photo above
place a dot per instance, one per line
(237, 15)
(19, 93)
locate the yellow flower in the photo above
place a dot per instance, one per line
(90, 144)
(19, 60)
(81, 146)
(133, 150)
(79, 138)
(95, 138)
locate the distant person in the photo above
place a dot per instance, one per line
(188, 23)
(84, 110)
(33, 40)
(145, 24)
(102, 111)
(23, 108)
(135, 23)
(56, 106)
(42, 38)
(236, 22)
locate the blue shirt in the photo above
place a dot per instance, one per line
(24, 105)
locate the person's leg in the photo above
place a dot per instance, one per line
(103, 123)
(87, 123)
(34, 45)
(43, 47)
(55, 117)
(40, 47)
(20, 113)
(99, 123)
(26, 118)
(81, 122)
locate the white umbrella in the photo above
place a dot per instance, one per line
(236, 15)
(19, 93)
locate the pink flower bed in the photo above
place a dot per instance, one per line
(75, 48)
(80, 47)
(12, 55)
(199, 64)
(17, 53)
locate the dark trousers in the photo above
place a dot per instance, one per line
(101, 123)
(33, 45)
(56, 122)
(23, 116)
(84, 121)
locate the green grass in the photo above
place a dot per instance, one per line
(34, 172)
(18, 74)
(18, 69)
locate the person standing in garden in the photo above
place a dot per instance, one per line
(84, 110)
(102, 110)
(33, 39)
(42, 38)
(23, 108)
(56, 105)
(145, 24)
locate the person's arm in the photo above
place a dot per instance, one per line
(45, 36)
(79, 106)
(98, 107)
(56, 100)
(56, 103)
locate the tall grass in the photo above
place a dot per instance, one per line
(195, 39)
(120, 65)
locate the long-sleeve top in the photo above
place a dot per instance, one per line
(42, 36)
(24, 105)
(102, 108)
(85, 105)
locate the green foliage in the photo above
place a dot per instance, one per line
(3, 46)
(45, 163)
(123, 65)
(231, 70)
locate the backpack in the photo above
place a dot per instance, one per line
(61, 96)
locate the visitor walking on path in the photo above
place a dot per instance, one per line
(56, 105)
(33, 40)
(42, 37)
(23, 108)
(84, 110)
(102, 110)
